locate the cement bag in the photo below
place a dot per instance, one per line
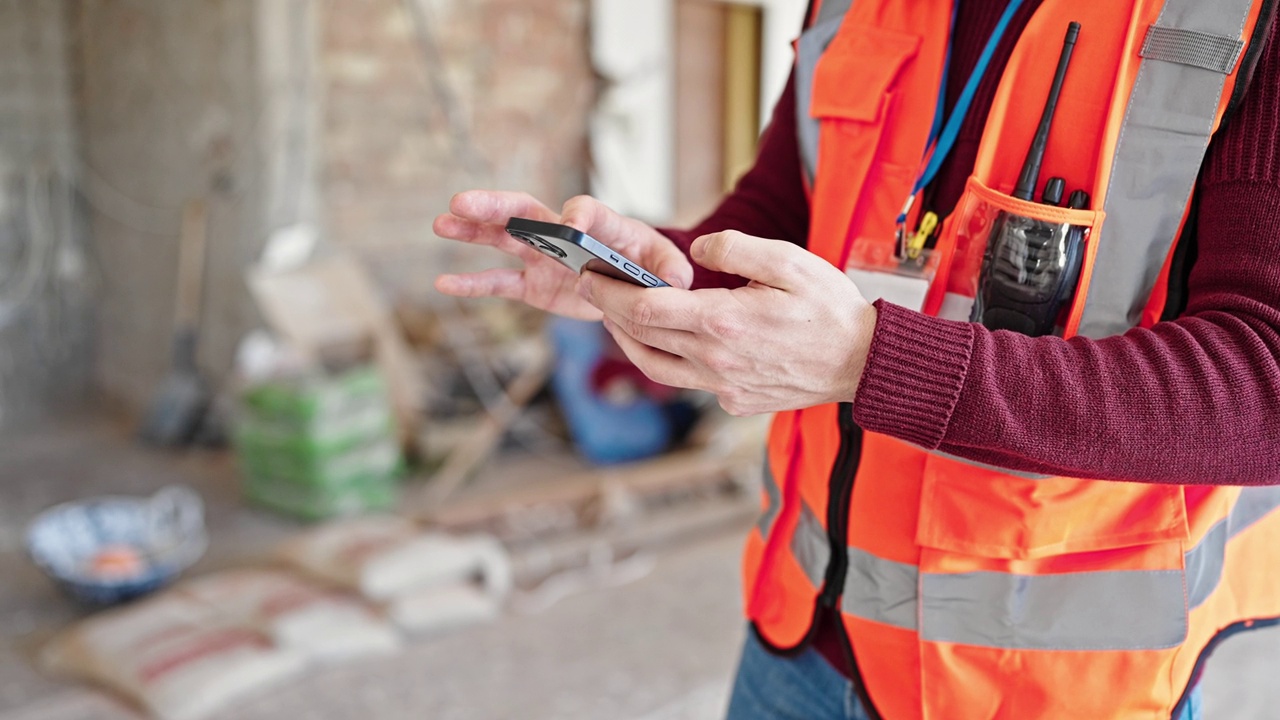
(384, 558)
(297, 615)
(439, 609)
(176, 657)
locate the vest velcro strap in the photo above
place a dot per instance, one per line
(1189, 47)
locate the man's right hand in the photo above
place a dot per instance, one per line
(480, 217)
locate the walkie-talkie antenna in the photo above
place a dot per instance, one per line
(1030, 177)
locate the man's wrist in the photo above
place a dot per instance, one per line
(914, 374)
(864, 333)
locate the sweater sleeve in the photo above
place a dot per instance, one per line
(1192, 401)
(768, 201)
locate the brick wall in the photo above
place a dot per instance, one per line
(339, 112)
(496, 93)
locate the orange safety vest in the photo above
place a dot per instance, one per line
(968, 591)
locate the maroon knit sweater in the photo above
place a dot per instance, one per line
(1193, 401)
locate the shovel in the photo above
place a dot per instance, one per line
(179, 405)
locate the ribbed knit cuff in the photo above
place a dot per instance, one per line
(915, 370)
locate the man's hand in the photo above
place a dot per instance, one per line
(795, 337)
(480, 217)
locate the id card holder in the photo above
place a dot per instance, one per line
(898, 288)
(902, 272)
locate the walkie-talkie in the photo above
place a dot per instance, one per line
(1031, 266)
(1030, 177)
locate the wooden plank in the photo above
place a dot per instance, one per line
(743, 29)
(468, 456)
(674, 471)
(535, 561)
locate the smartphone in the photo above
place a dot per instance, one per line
(579, 251)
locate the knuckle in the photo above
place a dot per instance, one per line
(635, 330)
(717, 362)
(724, 326)
(642, 312)
(722, 243)
(789, 266)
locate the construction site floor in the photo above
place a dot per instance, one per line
(660, 648)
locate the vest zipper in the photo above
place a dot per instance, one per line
(839, 492)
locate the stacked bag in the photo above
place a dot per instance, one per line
(318, 445)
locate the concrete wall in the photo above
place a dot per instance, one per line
(170, 107)
(45, 278)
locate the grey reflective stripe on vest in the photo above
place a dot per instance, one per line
(810, 547)
(774, 493)
(1161, 146)
(832, 10)
(1204, 565)
(1112, 610)
(812, 44)
(1205, 561)
(880, 590)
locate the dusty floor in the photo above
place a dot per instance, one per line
(662, 648)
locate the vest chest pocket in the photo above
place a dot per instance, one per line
(1042, 257)
(848, 100)
(987, 512)
(852, 78)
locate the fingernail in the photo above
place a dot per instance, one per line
(584, 287)
(696, 249)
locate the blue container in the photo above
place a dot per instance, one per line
(166, 529)
(605, 433)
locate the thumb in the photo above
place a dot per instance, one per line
(775, 263)
(669, 264)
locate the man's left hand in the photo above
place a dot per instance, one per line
(796, 336)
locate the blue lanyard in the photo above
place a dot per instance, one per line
(942, 138)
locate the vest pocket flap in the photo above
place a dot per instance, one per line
(857, 70)
(985, 511)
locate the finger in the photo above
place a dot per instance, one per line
(453, 227)
(493, 206)
(669, 308)
(658, 366)
(669, 264)
(660, 257)
(588, 215)
(503, 283)
(675, 342)
(774, 263)
(627, 236)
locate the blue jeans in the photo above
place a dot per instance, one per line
(806, 687)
